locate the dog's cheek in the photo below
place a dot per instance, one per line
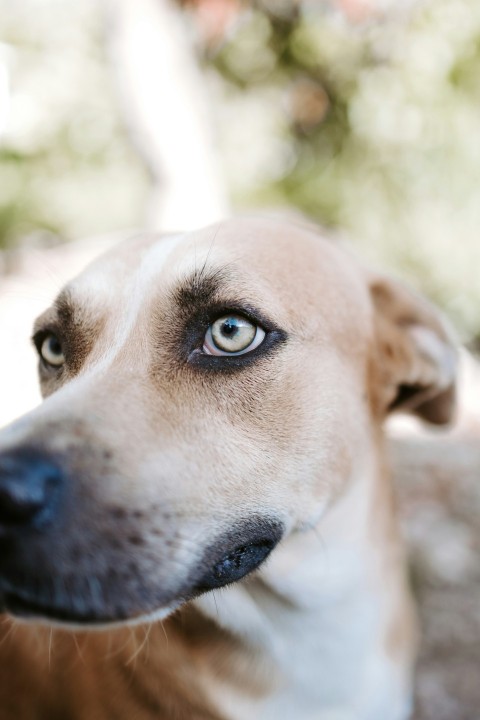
(51, 382)
(48, 385)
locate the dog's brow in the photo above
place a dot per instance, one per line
(201, 287)
(76, 325)
(62, 312)
(65, 306)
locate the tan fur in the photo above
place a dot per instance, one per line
(165, 457)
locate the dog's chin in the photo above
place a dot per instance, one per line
(26, 609)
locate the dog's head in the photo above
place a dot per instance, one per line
(206, 395)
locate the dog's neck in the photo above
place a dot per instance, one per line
(323, 622)
(320, 632)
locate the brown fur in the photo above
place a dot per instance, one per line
(167, 458)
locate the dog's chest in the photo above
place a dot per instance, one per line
(327, 665)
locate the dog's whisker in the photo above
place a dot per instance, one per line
(148, 634)
(138, 649)
(9, 632)
(209, 252)
(215, 601)
(162, 625)
(110, 654)
(50, 649)
(79, 651)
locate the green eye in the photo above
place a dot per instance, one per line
(51, 351)
(232, 335)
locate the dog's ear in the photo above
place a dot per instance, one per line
(414, 357)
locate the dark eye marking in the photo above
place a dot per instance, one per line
(270, 338)
(200, 289)
(74, 329)
(204, 298)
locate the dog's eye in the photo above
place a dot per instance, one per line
(51, 351)
(232, 335)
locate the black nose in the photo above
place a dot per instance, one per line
(29, 484)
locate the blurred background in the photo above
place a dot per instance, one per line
(364, 114)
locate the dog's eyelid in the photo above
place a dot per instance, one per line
(41, 333)
(38, 337)
(244, 309)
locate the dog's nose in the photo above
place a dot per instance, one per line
(29, 483)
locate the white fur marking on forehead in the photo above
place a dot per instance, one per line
(139, 287)
(155, 259)
(125, 299)
(114, 274)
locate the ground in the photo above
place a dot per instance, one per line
(438, 483)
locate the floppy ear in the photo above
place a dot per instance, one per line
(414, 357)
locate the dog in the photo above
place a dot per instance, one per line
(206, 485)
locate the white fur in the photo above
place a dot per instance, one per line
(319, 621)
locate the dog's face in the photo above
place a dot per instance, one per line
(207, 395)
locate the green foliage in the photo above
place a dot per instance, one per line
(66, 165)
(392, 157)
(370, 129)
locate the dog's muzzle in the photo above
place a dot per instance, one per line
(68, 553)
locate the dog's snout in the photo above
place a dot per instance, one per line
(29, 484)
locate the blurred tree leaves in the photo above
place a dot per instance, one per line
(371, 128)
(66, 165)
(378, 126)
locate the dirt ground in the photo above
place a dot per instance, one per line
(438, 482)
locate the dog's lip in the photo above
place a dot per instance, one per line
(23, 606)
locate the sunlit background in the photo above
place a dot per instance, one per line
(364, 114)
